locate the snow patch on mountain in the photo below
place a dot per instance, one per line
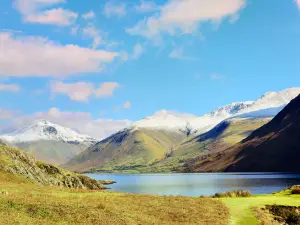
(268, 105)
(45, 130)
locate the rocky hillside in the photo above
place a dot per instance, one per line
(271, 148)
(20, 163)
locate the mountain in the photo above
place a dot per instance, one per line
(168, 139)
(127, 150)
(49, 142)
(14, 161)
(272, 148)
(221, 137)
(267, 106)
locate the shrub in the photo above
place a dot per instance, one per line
(233, 194)
(295, 190)
(293, 220)
(290, 214)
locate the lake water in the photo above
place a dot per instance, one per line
(196, 184)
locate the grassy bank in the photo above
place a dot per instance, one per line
(22, 202)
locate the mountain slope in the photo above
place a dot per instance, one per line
(143, 146)
(127, 149)
(224, 135)
(271, 148)
(49, 142)
(20, 163)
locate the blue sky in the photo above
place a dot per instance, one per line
(109, 61)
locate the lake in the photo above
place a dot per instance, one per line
(197, 184)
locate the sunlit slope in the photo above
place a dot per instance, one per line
(128, 149)
(20, 163)
(225, 135)
(148, 150)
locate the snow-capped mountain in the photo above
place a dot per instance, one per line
(45, 130)
(165, 119)
(267, 106)
(229, 110)
(273, 100)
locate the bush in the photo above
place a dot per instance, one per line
(295, 190)
(290, 214)
(233, 194)
(293, 220)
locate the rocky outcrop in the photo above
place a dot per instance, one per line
(19, 162)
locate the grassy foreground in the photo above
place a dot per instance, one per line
(22, 202)
(242, 210)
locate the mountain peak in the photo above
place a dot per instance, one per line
(45, 130)
(266, 106)
(231, 109)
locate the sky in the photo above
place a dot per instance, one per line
(94, 66)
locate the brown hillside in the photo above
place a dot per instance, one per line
(275, 147)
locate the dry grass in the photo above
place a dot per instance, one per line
(26, 203)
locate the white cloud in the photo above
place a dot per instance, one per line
(146, 6)
(33, 12)
(113, 8)
(59, 17)
(106, 89)
(177, 53)
(179, 17)
(82, 91)
(89, 15)
(94, 33)
(127, 105)
(10, 87)
(138, 50)
(298, 3)
(29, 6)
(82, 122)
(37, 56)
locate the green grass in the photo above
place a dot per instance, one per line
(22, 202)
(242, 209)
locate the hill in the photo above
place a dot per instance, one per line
(18, 162)
(275, 147)
(49, 142)
(224, 135)
(129, 149)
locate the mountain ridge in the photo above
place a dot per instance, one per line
(46, 130)
(274, 147)
(142, 145)
(175, 121)
(48, 141)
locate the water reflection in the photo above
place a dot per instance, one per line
(199, 184)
